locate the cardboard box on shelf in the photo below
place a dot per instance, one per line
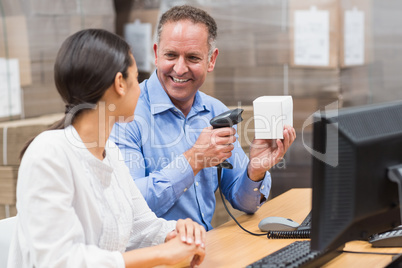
(330, 33)
(356, 84)
(314, 33)
(256, 65)
(288, 177)
(245, 129)
(12, 8)
(37, 34)
(15, 45)
(56, 8)
(145, 16)
(209, 84)
(314, 82)
(53, 29)
(253, 82)
(130, 11)
(298, 154)
(356, 44)
(7, 211)
(103, 21)
(8, 184)
(14, 135)
(50, 8)
(303, 108)
(236, 50)
(41, 99)
(224, 85)
(241, 16)
(272, 49)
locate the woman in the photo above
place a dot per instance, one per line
(77, 204)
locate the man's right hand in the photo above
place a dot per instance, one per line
(212, 147)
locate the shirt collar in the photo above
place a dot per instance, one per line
(160, 101)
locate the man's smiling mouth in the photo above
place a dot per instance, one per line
(176, 80)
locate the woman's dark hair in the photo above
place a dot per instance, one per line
(85, 67)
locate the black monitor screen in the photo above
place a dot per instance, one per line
(352, 195)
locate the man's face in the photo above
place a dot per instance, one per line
(182, 60)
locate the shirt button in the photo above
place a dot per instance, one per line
(185, 189)
(202, 215)
(196, 184)
(255, 189)
(262, 187)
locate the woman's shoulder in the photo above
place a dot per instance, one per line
(49, 138)
(49, 142)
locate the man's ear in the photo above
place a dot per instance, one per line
(212, 60)
(119, 84)
(156, 54)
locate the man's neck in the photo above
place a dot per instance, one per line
(184, 107)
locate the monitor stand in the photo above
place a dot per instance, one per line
(395, 175)
(323, 258)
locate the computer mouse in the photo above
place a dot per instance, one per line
(277, 224)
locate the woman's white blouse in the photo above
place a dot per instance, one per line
(75, 210)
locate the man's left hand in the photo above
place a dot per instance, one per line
(265, 153)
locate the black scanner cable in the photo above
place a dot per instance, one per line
(227, 210)
(300, 234)
(229, 119)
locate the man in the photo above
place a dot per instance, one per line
(170, 147)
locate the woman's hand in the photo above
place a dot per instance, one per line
(189, 232)
(186, 242)
(176, 251)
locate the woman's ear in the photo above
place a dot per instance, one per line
(120, 84)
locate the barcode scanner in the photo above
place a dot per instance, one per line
(229, 119)
(226, 119)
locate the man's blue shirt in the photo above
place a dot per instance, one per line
(153, 146)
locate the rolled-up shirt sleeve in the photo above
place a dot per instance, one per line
(167, 184)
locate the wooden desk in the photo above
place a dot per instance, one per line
(229, 246)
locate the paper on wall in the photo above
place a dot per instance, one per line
(354, 37)
(139, 36)
(10, 89)
(311, 37)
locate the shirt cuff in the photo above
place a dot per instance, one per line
(262, 187)
(266, 186)
(181, 172)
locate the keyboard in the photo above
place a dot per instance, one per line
(293, 255)
(296, 254)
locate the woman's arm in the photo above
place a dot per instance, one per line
(169, 253)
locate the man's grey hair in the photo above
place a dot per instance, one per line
(195, 15)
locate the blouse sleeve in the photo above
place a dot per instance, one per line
(148, 229)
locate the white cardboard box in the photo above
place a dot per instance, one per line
(271, 114)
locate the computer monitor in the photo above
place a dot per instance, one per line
(353, 197)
